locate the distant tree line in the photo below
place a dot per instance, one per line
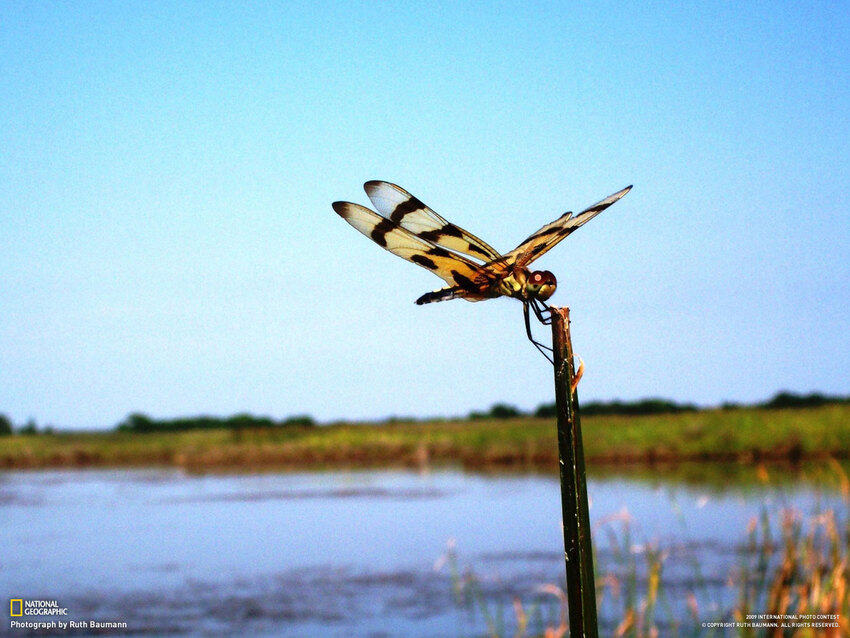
(30, 427)
(781, 400)
(641, 407)
(138, 422)
(622, 408)
(498, 411)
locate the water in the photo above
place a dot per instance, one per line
(346, 553)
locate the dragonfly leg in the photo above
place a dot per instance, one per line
(544, 314)
(543, 349)
(542, 311)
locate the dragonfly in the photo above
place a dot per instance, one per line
(473, 269)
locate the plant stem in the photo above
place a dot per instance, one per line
(578, 554)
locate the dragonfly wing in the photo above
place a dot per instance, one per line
(458, 271)
(545, 238)
(399, 206)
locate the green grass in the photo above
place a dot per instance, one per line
(746, 434)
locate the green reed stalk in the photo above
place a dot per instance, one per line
(578, 554)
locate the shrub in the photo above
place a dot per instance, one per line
(5, 425)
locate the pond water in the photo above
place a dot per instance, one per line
(352, 553)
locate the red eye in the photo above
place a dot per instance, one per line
(541, 284)
(542, 277)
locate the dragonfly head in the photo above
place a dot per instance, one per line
(541, 284)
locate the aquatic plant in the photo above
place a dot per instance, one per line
(792, 581)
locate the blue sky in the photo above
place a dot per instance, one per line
(167, 170)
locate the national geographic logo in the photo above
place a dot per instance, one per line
(20, 607)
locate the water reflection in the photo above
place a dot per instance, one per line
(343, 553)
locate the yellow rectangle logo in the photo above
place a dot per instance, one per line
(20, 611)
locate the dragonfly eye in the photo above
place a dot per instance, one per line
(541, 284)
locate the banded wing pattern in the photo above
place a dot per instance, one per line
(464, 276)
(402, 208)
(473, 269)
(408, 228)
(545, 239)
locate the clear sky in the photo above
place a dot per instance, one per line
(167, 172)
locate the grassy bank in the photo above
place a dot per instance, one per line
(526, 442)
